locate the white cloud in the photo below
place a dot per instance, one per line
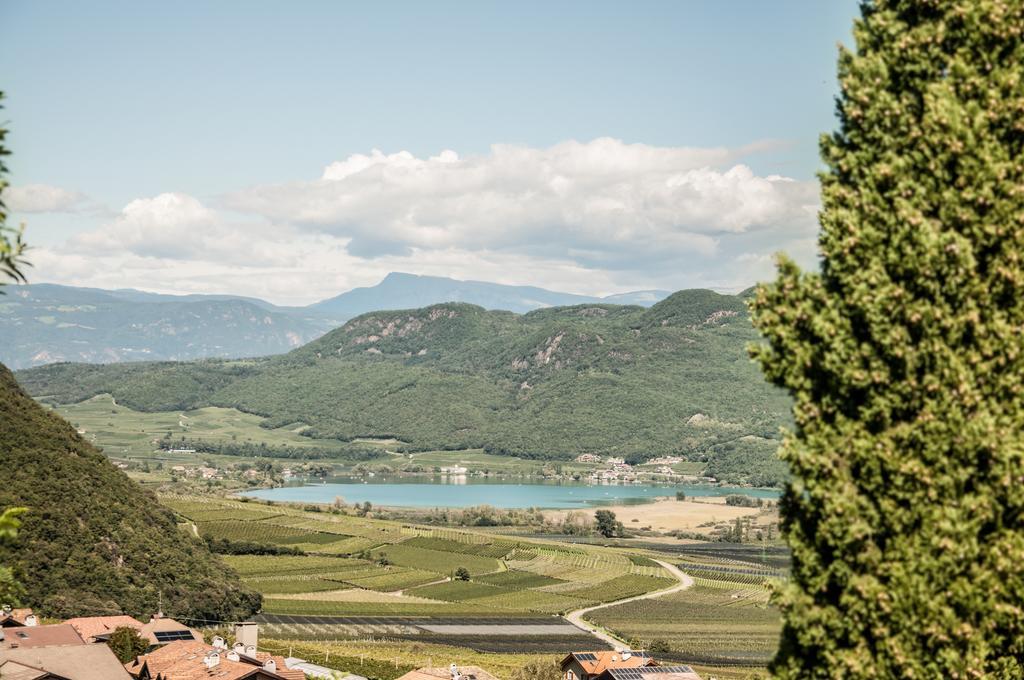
(42, 198)
(606, 197)
(597, 217)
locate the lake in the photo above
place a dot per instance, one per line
(462, 492)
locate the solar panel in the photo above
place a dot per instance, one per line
(587, 656)
(172, 635)
(644, 671)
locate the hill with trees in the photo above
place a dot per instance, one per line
(674, 378)
(93, 541)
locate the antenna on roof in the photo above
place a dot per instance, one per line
(160, 604)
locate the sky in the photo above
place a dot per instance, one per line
(292, 151)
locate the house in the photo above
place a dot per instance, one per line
(589, 665)
(61, 662)
(614, 461)
(588, 458)
(452, 672)
(454, 470)
(99, 628)
(15, 618)
(160, 630)
(26, 637)
(191, 660)
(650, 673)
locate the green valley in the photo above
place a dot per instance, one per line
(547, 385)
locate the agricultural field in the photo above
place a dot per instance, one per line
(366, 578)
(714, 622)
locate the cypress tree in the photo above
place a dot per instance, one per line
(905, 358)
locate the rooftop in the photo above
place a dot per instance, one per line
(466, 672)
(39, 636)
(93, 628)
(187, 660)
(65, 662)
(596, 662)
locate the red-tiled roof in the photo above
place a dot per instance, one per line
(40, 636)
(595, 663)
(161, 624)
(185, 660)
(89, 627)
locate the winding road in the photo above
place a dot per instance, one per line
(576, 617)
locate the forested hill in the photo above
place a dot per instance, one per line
(93, 541)
(552, 383)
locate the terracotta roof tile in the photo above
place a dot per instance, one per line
(184, 660)
(91, 626)
(595, 663)
(40, 636)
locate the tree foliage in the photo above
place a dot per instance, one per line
(93, 541)
(12, 245)
(127, 644)
(905, 356)
(11, 591)
(607, 525)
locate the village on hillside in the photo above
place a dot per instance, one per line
(123, 648)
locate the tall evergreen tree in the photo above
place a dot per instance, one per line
(905, 357)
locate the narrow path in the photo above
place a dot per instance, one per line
(576, 617)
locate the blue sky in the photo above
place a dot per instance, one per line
(215, 107)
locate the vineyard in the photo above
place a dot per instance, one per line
(363, 578)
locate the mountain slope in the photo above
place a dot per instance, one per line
(43, 323)
(408, 291)
(552, 383)
(93, 541)
(46, 323)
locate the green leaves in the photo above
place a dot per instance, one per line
(904, 357)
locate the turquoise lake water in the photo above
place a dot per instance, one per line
(440, 492)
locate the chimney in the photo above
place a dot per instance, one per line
(248, 633)
(455, 671)
(250, 650)
(219, 642)
(270, 665)
(212, 659)
(238, 647)
(233, 656)
(31, 620)
(626, 655)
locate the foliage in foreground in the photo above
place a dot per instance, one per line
(12, 247)
(905, 358)
(94, 542)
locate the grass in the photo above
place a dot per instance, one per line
(126, 433)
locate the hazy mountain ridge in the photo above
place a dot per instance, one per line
(46, 323)
(409, 291)
(552, 383)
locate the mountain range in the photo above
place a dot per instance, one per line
(46, 323)
(553, 383)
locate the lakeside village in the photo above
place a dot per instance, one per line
(598, 470)
(124, 648)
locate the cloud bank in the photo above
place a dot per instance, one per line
(595, 217)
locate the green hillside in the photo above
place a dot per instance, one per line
(553, 383)
(93, 541)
